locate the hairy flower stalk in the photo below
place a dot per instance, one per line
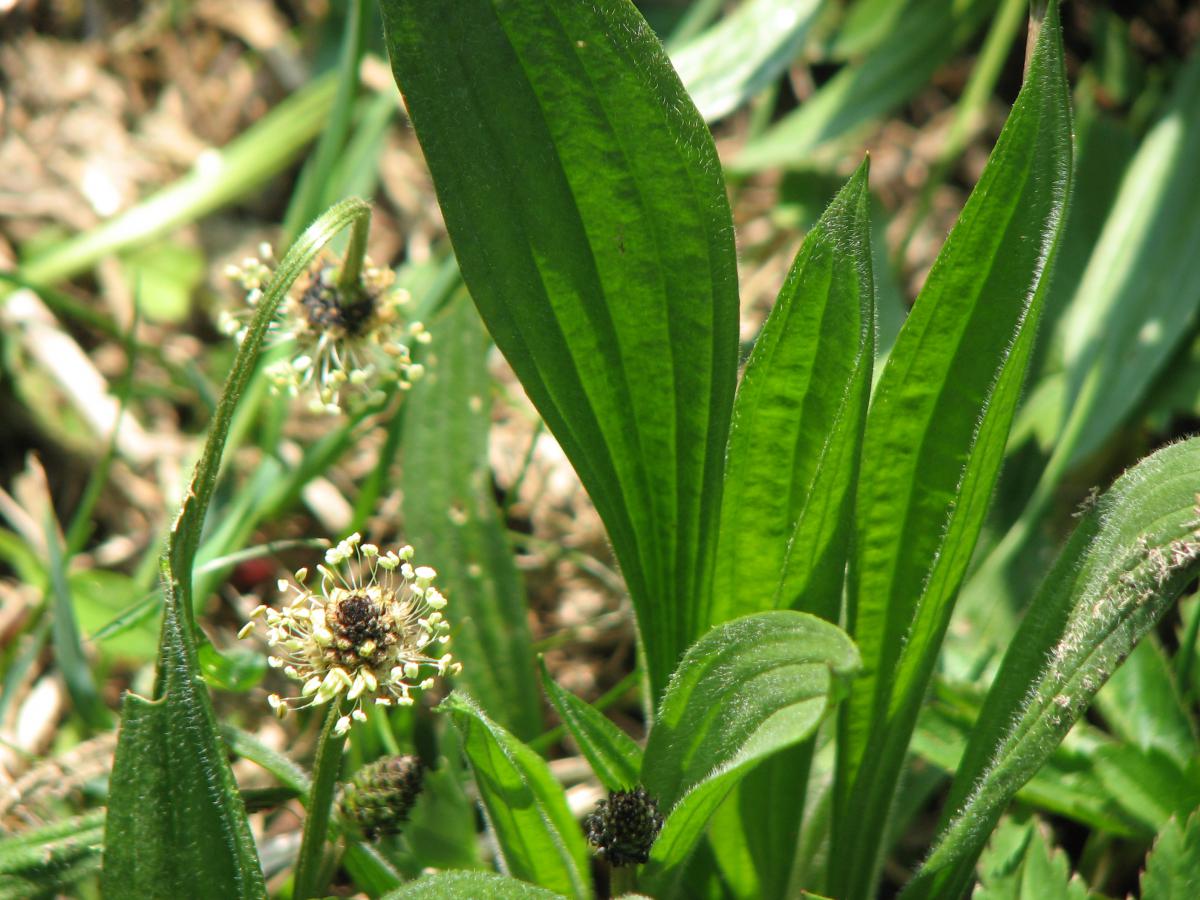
(367, 632)
(346, 340)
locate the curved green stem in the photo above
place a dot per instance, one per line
(326, 768)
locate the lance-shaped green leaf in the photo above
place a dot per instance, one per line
(789, 488)
(1128, 560)
(450, 513)
(613, 755)
(586, 205)
(745, 690)
(1135, 303)
(526, 808)
(176, 825)
(935, 438)
(798, 425)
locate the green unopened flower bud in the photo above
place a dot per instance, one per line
(624, 826)
(378, 799)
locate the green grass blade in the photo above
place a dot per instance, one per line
(526, 808)
(1128, 560)
(613, 755)
(239, 167)
(797, 427)
(743, 53)
(68, 646)
(925, 34)
(586, 205)
(747, 689)
(451, 516)
(935, 438)
(308, 198)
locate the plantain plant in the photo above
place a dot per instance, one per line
(793, 540)
(583, 195)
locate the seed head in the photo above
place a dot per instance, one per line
(623, 827)
(366, 632)
(378, 799)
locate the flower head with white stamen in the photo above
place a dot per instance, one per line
(345, 343)
(372, 630)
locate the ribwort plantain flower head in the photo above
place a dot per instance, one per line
(378, 799)
(372, 629)
(624, 826)
(345, 343)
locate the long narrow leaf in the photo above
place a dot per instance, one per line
(935, 438)
(1123, 568)
(614, 756)
(527, 810)
(586, 205)
(451, 515)
(790, 477)
(922, 36)
(176, 825)
(798, 425)
(1136, 300)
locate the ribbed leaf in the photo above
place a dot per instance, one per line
(526, 808)
(935, 438)
(451, 516)
(585, 202)
(613, 755)
(1136, 301)
(176, 826)
(797, 427)
(745, 690)
(1128, 560)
